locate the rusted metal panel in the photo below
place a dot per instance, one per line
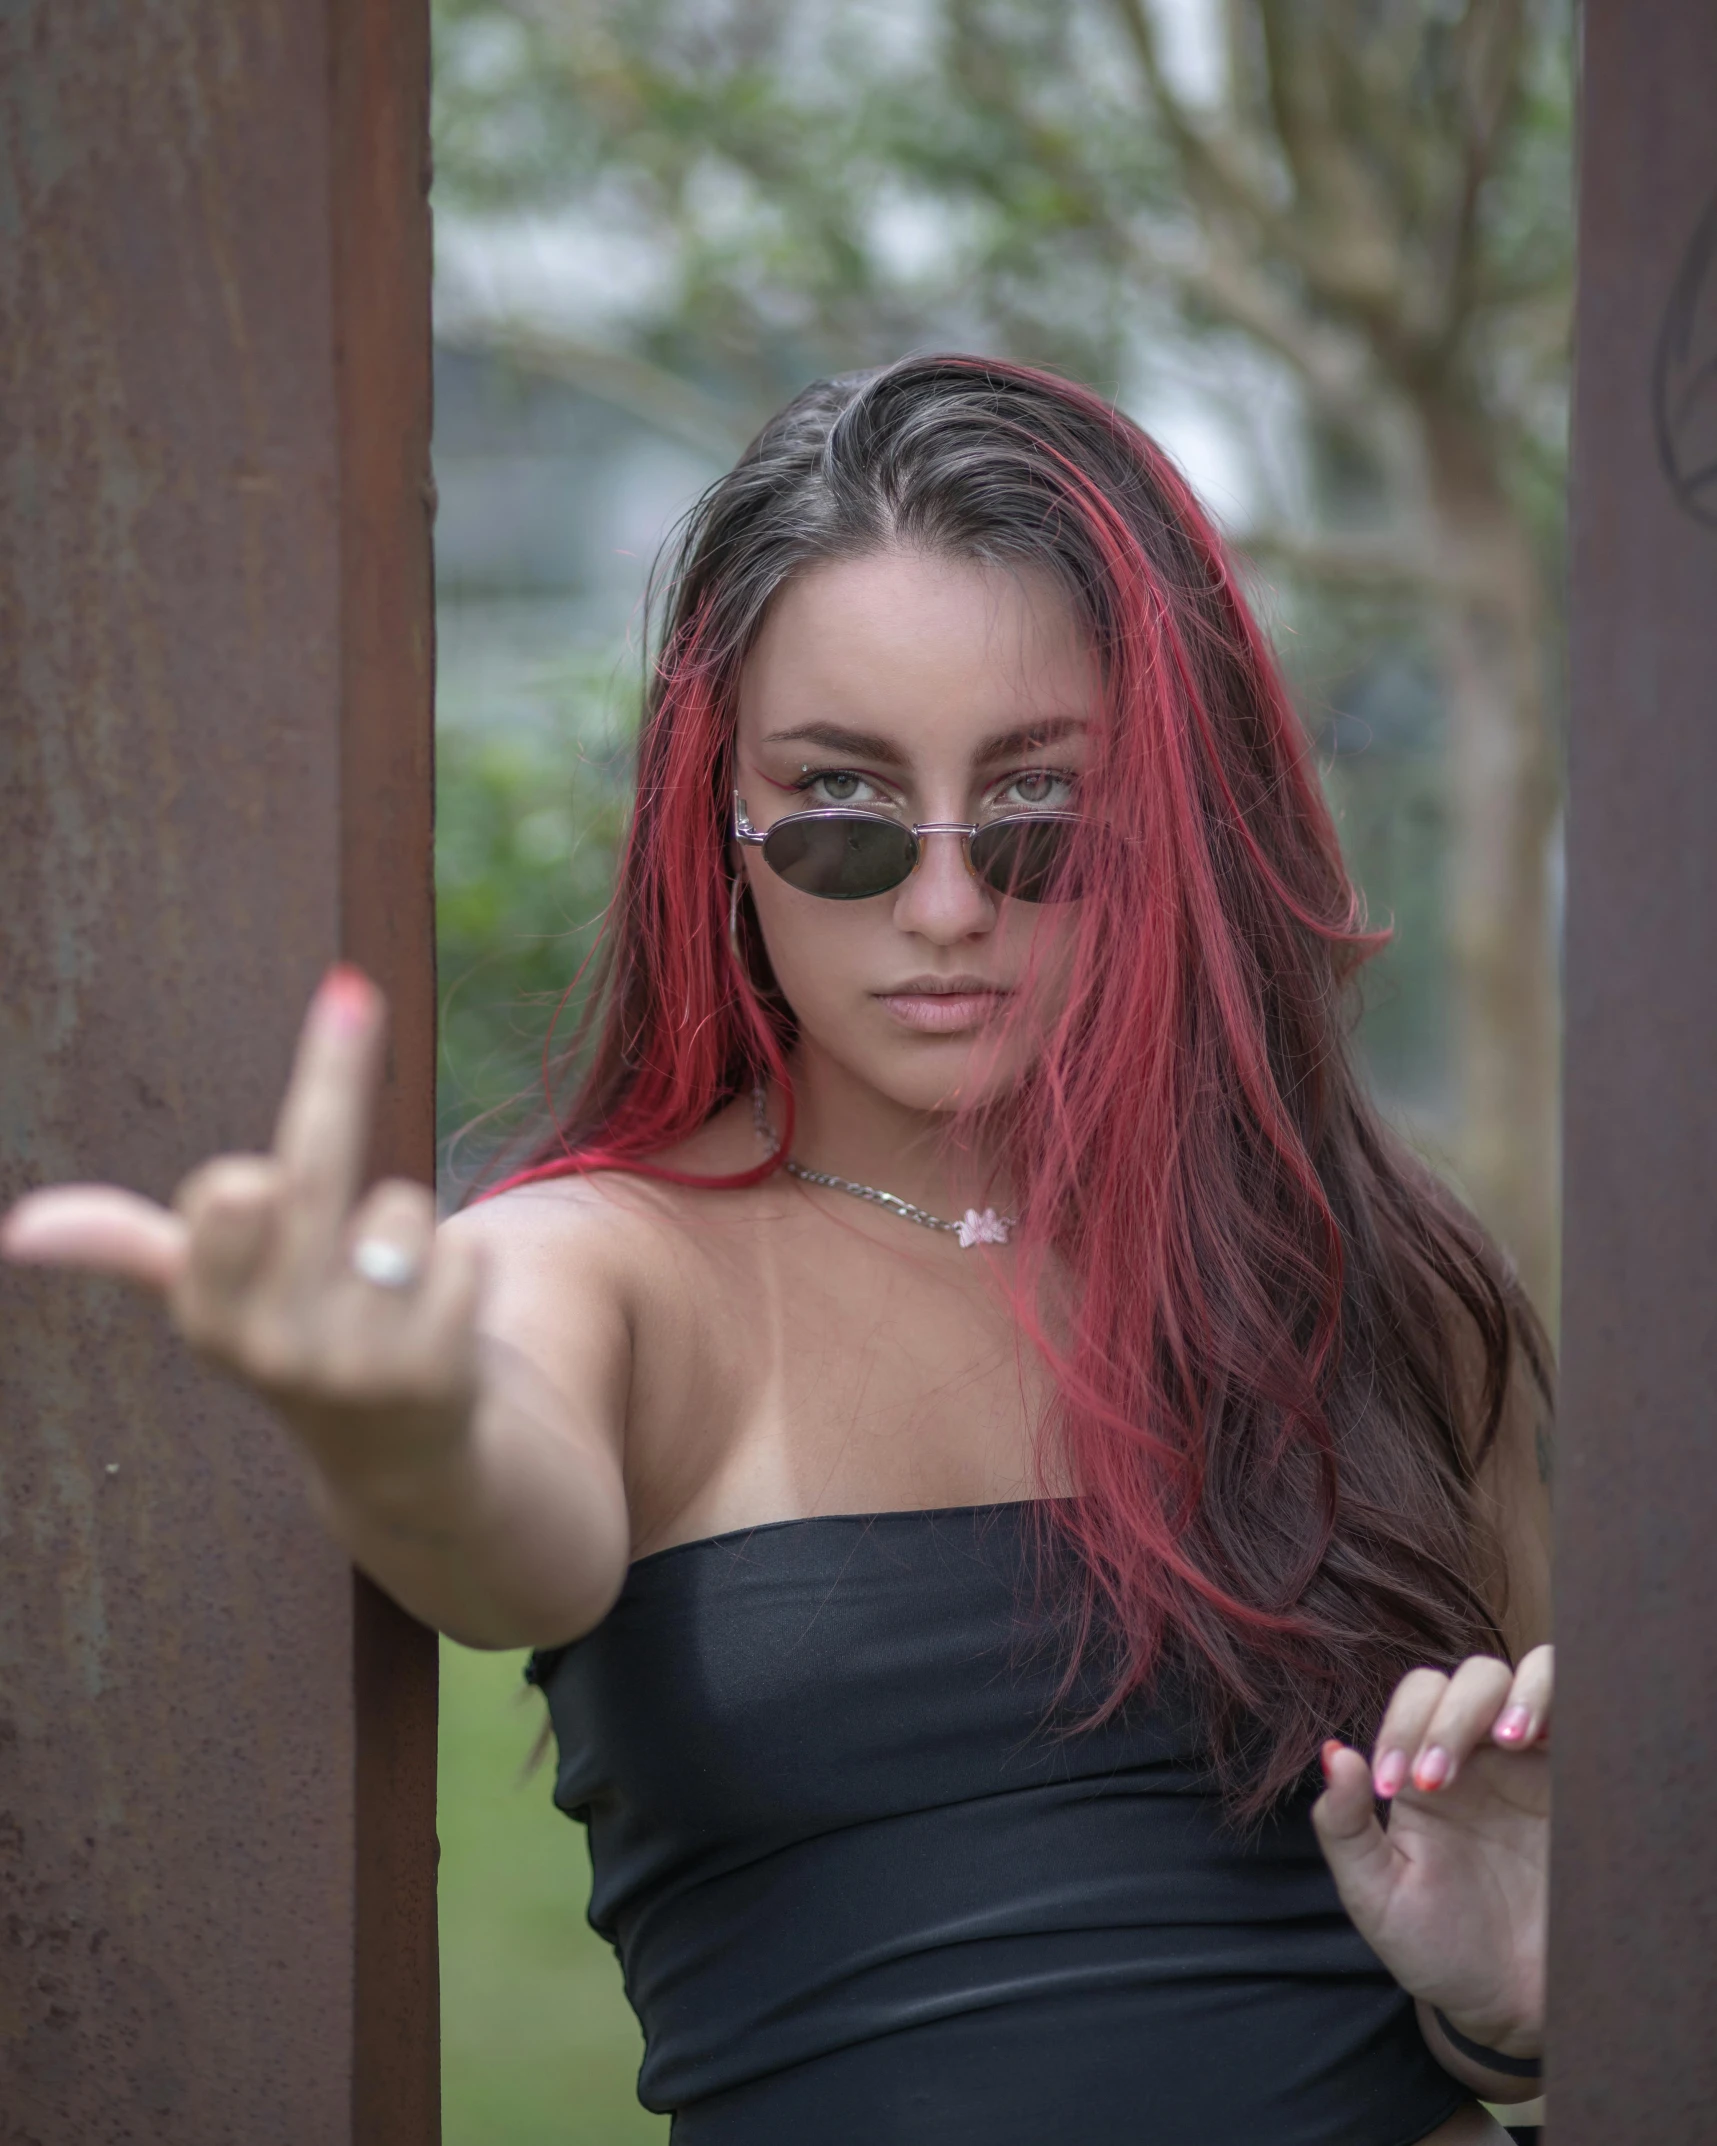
(1633, 2053)
(215, 1847)
(380, 76)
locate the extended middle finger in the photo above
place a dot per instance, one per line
(323, 1130)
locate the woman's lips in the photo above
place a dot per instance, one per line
(942, 1013)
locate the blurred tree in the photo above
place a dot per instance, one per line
(526, 841)
(1358, 211)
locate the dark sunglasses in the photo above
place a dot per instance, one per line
(846, 855)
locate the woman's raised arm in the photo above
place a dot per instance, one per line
(460, 1443)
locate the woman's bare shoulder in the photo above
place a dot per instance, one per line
(614, 1218)
(592, 1274)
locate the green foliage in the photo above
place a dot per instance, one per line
(829, 185)
(528, 823)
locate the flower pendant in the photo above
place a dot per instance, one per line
(985, 1228)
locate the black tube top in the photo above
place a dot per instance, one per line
(865, 1893)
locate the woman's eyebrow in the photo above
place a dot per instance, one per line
(1046, 730)
(866, 745)
(859, 744)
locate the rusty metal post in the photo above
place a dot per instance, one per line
(216, 1753)
(1633, 2044)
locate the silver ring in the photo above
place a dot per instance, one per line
(389, 1266)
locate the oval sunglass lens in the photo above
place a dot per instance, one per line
(1029, 859)
(844, 860)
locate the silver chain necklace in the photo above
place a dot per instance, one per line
(974, 1227)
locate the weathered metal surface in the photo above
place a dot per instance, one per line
(1633, 2052)
(380, 76)
(215, 1845)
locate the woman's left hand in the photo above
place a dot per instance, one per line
(1452, 1895)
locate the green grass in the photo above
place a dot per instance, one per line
(539, 2046)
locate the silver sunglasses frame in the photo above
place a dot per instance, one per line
(743, 831)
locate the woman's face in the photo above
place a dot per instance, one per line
(928, 689)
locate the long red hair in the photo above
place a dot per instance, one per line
(1279, 1347)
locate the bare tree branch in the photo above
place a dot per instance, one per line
(1203, 265)
(1389, 564)
(1238, 291)
(621, 378)
(1349, 240)
(1338, 262)
(1343, 233)
(1490, 38)
(1216, 155)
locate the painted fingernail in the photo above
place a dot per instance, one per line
(345, 998)
(1391, 1772)
(1513, 1723)
(1327, 1754)
(1433, 1768)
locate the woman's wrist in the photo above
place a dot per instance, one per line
(422, 1484)
(1499, 2061)
(1516, 2052)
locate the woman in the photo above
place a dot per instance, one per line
(970, 1405)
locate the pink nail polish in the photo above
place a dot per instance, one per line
(1433, 1768)
(345, 999)
(1513, 1724)
(1391, 1772)
(1327, 1755)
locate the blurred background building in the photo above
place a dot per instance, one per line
(1320, 247)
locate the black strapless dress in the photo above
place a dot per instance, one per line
(866, 1893)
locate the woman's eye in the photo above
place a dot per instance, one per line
(1039, 790)
(837, 786)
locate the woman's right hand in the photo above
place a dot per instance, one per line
(255, 1264)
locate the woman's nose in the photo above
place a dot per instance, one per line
(943, 900)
